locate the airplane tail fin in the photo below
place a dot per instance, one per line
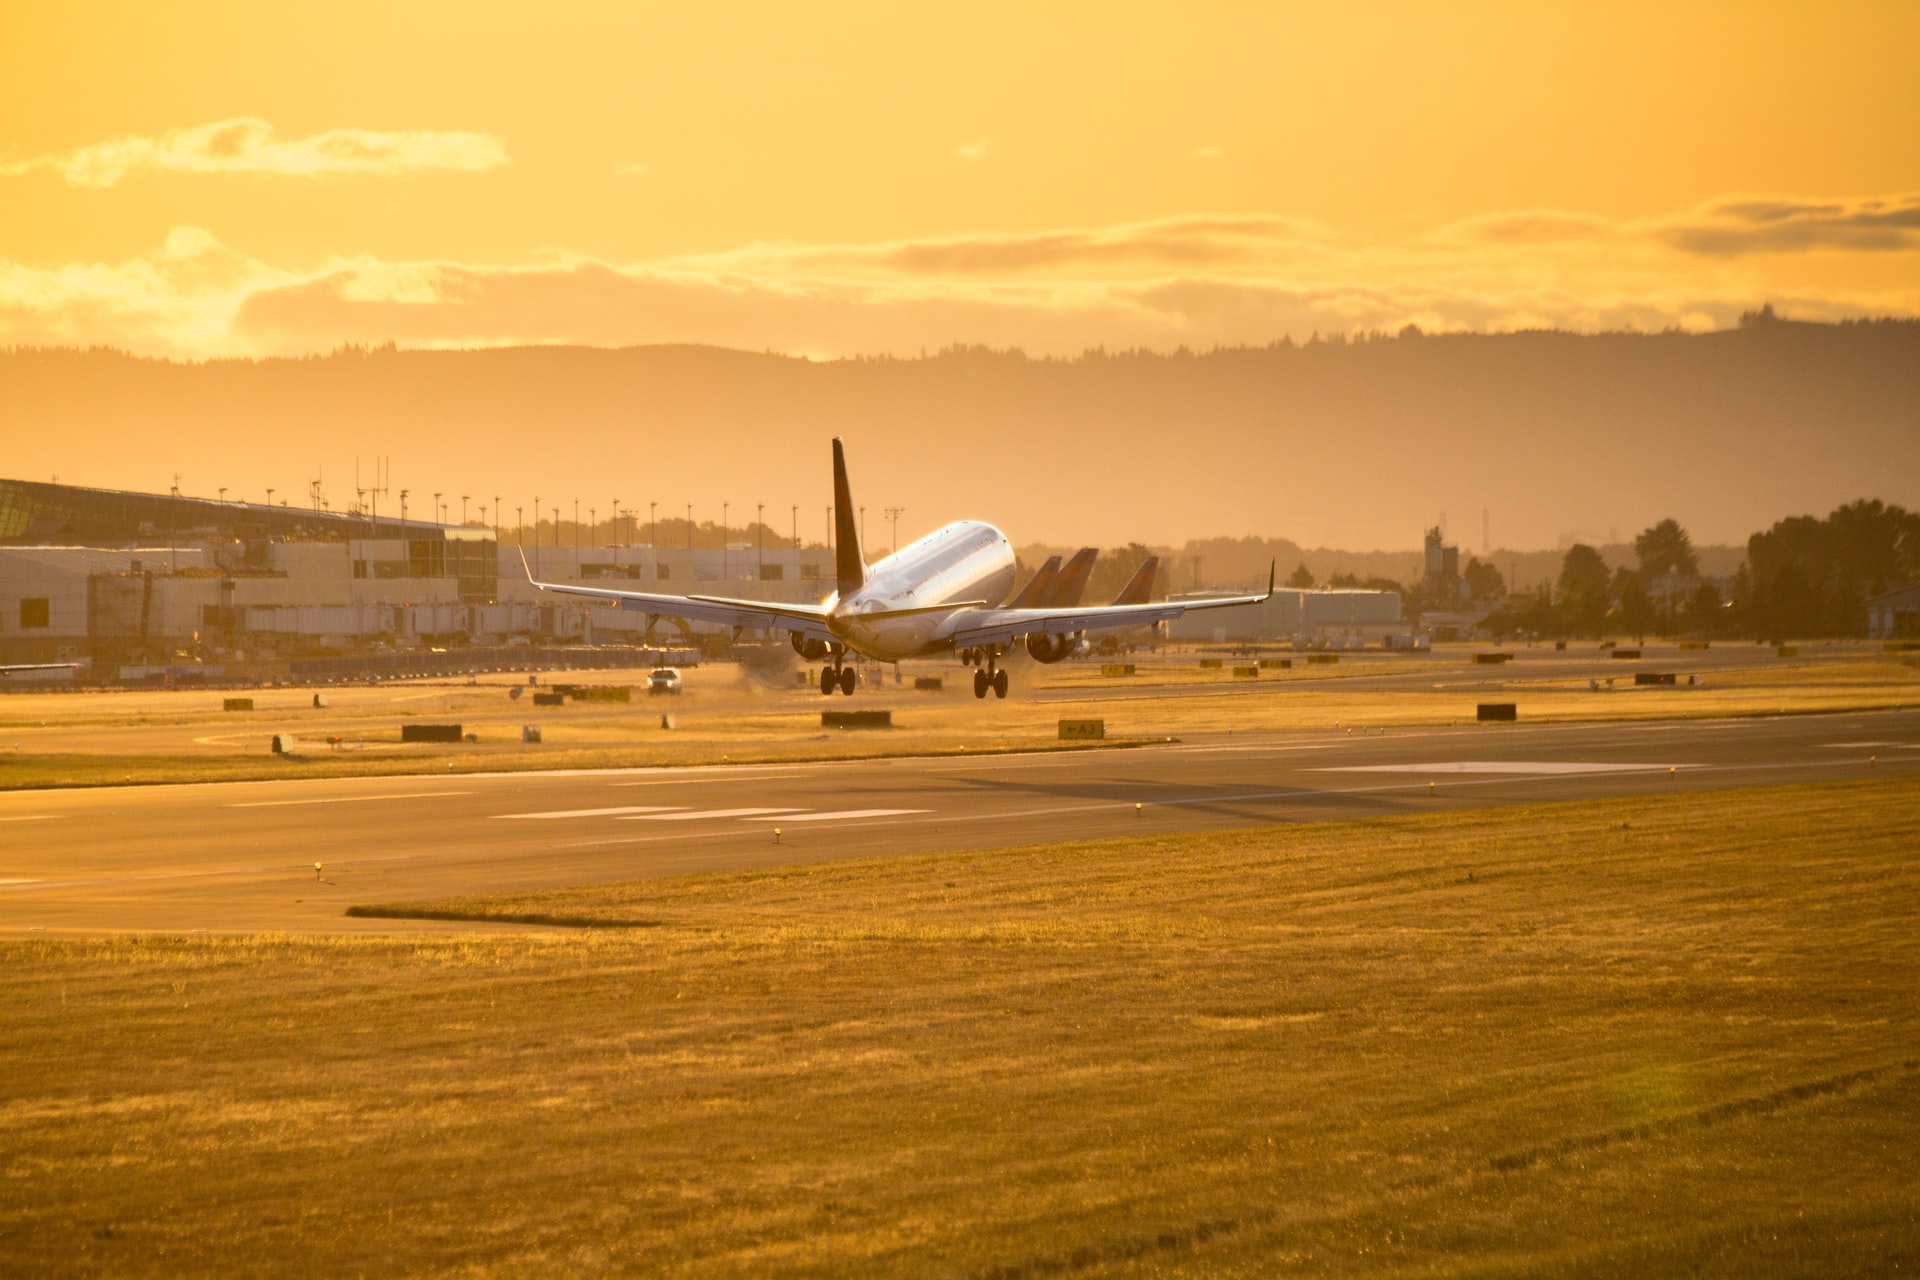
(1067, 588)
(1031, 595)
(1139, 588)
(850, 568)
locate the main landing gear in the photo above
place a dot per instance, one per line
(992, 676)
(838, 675)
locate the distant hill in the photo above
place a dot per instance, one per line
(1359, 444)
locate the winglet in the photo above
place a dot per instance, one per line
(1272, 565)
(524, 567)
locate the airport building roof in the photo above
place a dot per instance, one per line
(34, 513)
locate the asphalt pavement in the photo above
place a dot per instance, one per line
(241, 856)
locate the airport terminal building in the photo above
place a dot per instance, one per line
(134, 582)
(1336, 617)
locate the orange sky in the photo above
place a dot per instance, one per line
(250, 179)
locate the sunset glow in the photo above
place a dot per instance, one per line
(232, 181)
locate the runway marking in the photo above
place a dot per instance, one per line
(1853, 746)
(617, 811)
(1501, 766)
(404, 795)
(26, 817)
(705, 813)
(842, 814)
(686, 782)
(17, 880)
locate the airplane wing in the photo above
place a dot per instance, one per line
(808, 619)
(999, 626)
(18, 667)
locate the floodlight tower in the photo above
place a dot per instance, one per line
(893, 514)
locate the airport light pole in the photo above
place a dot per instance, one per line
(692, 575)
(724, 568)
(760, 537)
(223, 493)
(497, 513)
(576, 524)
(651, 522)
(796, 543)
(463, 508)
(893, 514)
(437, 515)
(616, 519)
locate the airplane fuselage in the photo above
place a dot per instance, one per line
(967, 560)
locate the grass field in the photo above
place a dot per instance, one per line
(100, 739)
(1665, 1036)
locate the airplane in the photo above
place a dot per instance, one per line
(939, 594)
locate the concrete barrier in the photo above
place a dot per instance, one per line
(1082, 730)
(1116, 668)
(856, 719)
(429, 733)
(237, 704)
(1491, 659)
(1276, 664)
(283, 744)
(1246, 673)
(1322, 659)
(1212, 664)
(929, 684)
(1787, 650)
(1626, 653)
(596, 692)
(1497, 711)
(530, 733)
(1655, 677)
(320, 701)
(550, 699)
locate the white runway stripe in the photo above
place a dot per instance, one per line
(621, 811)
(844, 813)
(405, 795)
(1499, 766)
(704, 813)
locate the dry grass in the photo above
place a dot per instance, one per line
(149, 737)
(1673, 1035)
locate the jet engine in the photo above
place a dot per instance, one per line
(812, 648)
(1046, 648)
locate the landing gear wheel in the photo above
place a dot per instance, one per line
(999, 683)
(980, 683)
(848, 679)
(829, 679)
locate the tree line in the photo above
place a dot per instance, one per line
(1804, 577)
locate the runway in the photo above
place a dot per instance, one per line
(240, 856)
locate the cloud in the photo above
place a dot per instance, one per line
(972, 151)
(1762, 224)
(1149, 248)
(248, 145)
(1728, 227)
(1197, 280)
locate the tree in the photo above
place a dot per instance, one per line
(1583, 590)
(1665, 549)
(1636, 612)
(1483, 580)
(1704, 611)
(1301, 579)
